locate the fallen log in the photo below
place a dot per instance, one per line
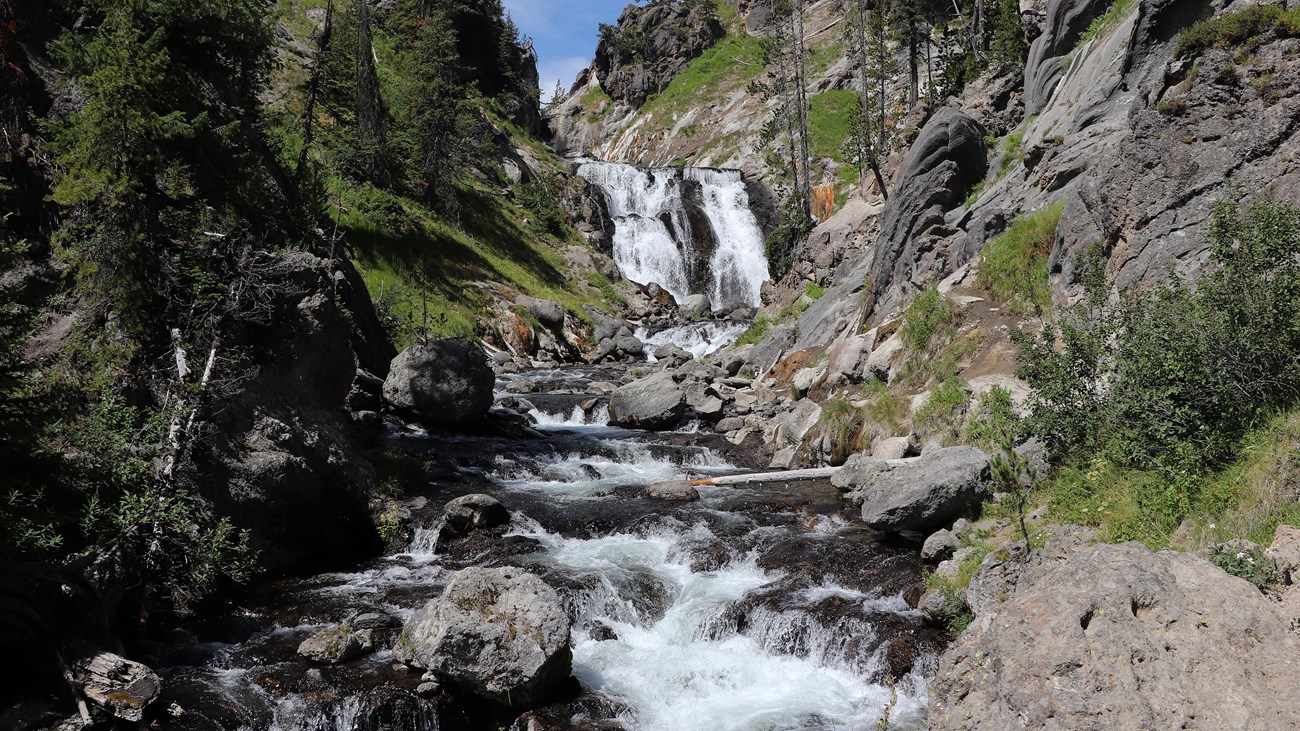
(815, 473)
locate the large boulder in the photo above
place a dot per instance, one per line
(500, 633)
(1119, 637)
(946, 161)
(547, 312)
(921, 494)
(442, 383)
(655, 402)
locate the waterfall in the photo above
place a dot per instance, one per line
(689, 230)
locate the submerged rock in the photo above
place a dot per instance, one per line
(469, 513)
(500, 633)
(674, 491)
(337, 644)
(655, 403)
(442, 383)
(1119, 637)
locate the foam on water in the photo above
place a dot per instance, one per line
(685, 668)
(575, 418)
(618, 464)
(699, 339)
(654, 232)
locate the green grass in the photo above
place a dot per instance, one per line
(927, 316)
(821, 59)
(814, 291)
(727, 13)
(1012, 152)
(1242, 28)
(828, 122)
(1013, 267)
(755, 332)
(731, 64)
(941, 413)
(596, 103)
(1118, 11)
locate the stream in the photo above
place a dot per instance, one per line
(758, 608)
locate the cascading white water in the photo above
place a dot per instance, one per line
(653, 233)
(697, 338)
(682, 668)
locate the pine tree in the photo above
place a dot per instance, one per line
(867, 133)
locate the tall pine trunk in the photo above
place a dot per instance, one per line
(370, 112)
(313, 88)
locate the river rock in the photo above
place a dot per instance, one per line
(939, 545)
(500, 633)
(442, 383)
(549, 313)
(883, 362)
(695, 305)
(672, 354)
(337, 644)
(123, 688)
(729, 424)
(655, 403)
(674, 491)
(920, 494)
(469, 513)
(1119, 637)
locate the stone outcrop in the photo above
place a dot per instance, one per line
(1118, 637)
(500, 633)
(1065, 23)
(920, 494)
(650, 45)
(279, 457)
(444, 384)
(946, 161)
(655, 402)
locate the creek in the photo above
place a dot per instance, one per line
(763, 608)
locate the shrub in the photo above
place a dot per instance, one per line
(941, 411)
(1245, 563)
(994, 421)
(1239, 28)
(928, 314)
(842, 422)
(814, 291)
(1172, 380)
(1013, 267)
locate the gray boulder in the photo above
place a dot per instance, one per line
(655, 402)
(441, 383)
(500, 633)
(921, 494)
(1118, 637)
(337, 644)
(674, 491)
(939, 546)
(549, 313)
(469, 513)
(948, 158)
(695, 305)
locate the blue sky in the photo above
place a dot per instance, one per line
(564, 33)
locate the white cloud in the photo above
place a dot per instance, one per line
(563, 70)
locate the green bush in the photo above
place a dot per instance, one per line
(942, 409)
(1013, 267)
(993, 422)
(1171, 381)
(928, 314)
(1249, 564)
(1239, 28)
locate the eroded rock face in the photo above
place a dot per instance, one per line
(1118, 637)
(1066, 21)
(442, 383)
(947, 159)
(655, 403)
(500, 633)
